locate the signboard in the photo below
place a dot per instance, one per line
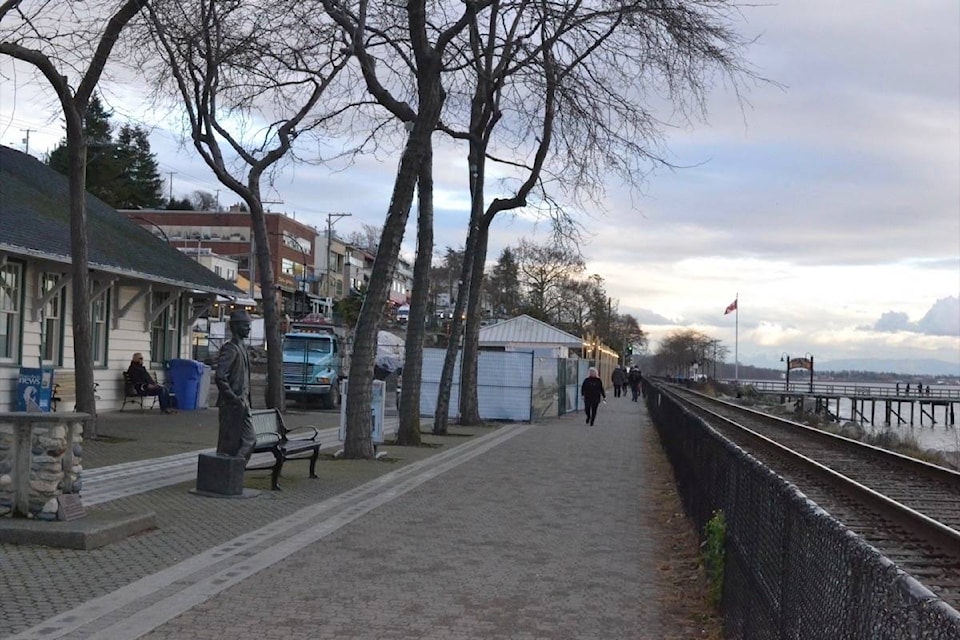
(377, 409)
(34, 389)
(801, 363)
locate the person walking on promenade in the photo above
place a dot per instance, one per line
(634, 378)
(592, 392)
(619, 380)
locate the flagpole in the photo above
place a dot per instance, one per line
(736, 341)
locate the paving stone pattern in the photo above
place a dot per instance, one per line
(545, 535)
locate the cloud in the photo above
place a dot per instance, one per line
(943, 319)
(893, 321)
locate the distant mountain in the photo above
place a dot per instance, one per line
(924, 366)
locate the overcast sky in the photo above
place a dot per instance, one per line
(829, 204)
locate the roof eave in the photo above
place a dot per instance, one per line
(135, 275)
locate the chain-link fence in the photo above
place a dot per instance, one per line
(790, 569)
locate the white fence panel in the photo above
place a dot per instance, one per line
(503, 384)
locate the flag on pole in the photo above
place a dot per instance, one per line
(731, 307)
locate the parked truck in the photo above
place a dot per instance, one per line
(313, 363)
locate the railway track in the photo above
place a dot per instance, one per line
(907, 509)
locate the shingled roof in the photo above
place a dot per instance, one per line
(35, 222)
(527, 331)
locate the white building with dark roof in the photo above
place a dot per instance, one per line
(145, 294)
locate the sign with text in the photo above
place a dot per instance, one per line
(377, 410)
(34, 389)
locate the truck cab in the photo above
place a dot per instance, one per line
(312, 364)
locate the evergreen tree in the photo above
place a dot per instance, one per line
(122, 172)
(183, 204)
(141, 186)
(103, 167)
(504, 285)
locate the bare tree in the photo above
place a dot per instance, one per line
(544, 270)
(412, 40)
(594, 65)
(203, 201)
(408, 431)
(39, 39)
(367, 239)
(681, 349)
(231, 60)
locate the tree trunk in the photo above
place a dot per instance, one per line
(469, 402)
(409, 430)
(358, 443)
(273, 394)
(440, 419)
(79, 250)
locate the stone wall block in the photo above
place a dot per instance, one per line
(40, 459)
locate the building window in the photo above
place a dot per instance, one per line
(99, 313)
(165, 329)
(287, 266)
(11, 306)
(51, 339)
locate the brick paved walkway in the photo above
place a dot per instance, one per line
(527, 531)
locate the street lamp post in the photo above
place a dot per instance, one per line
(785, 357)
(809, 357)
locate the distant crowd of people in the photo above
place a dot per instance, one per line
(624, 378)
(921, 390)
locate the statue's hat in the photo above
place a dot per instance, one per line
(240, 315)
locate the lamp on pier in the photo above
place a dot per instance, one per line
(785, 357)
(809, 357)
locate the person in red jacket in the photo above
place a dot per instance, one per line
(592, 392)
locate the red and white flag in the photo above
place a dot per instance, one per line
(731, 307)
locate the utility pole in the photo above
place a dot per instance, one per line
(170, 173)
(331, 218)
(26, 140)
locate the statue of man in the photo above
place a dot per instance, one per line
(236, 437)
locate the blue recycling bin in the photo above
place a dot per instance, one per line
(186, 375)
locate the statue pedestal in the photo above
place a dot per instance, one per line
(221, 476)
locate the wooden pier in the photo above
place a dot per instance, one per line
(868, 404)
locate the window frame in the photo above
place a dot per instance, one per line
(100, 345)
(13, 342)
(166, 327)
(51, 350)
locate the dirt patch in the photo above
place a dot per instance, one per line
(685, 601)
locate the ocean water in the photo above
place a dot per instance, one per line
(938, 437)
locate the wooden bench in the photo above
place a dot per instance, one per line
(273, 437)
(132, 396)
(65, 387)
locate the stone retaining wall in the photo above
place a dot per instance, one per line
(40, 460)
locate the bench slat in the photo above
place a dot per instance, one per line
(271, 436)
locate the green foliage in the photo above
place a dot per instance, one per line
(348, 308)
(182, 204)
(712, 550)
(140, 185)
(503, 285)
(122, 172)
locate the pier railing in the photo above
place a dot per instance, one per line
(852, 390)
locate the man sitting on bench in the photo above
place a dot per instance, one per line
(145, 385)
